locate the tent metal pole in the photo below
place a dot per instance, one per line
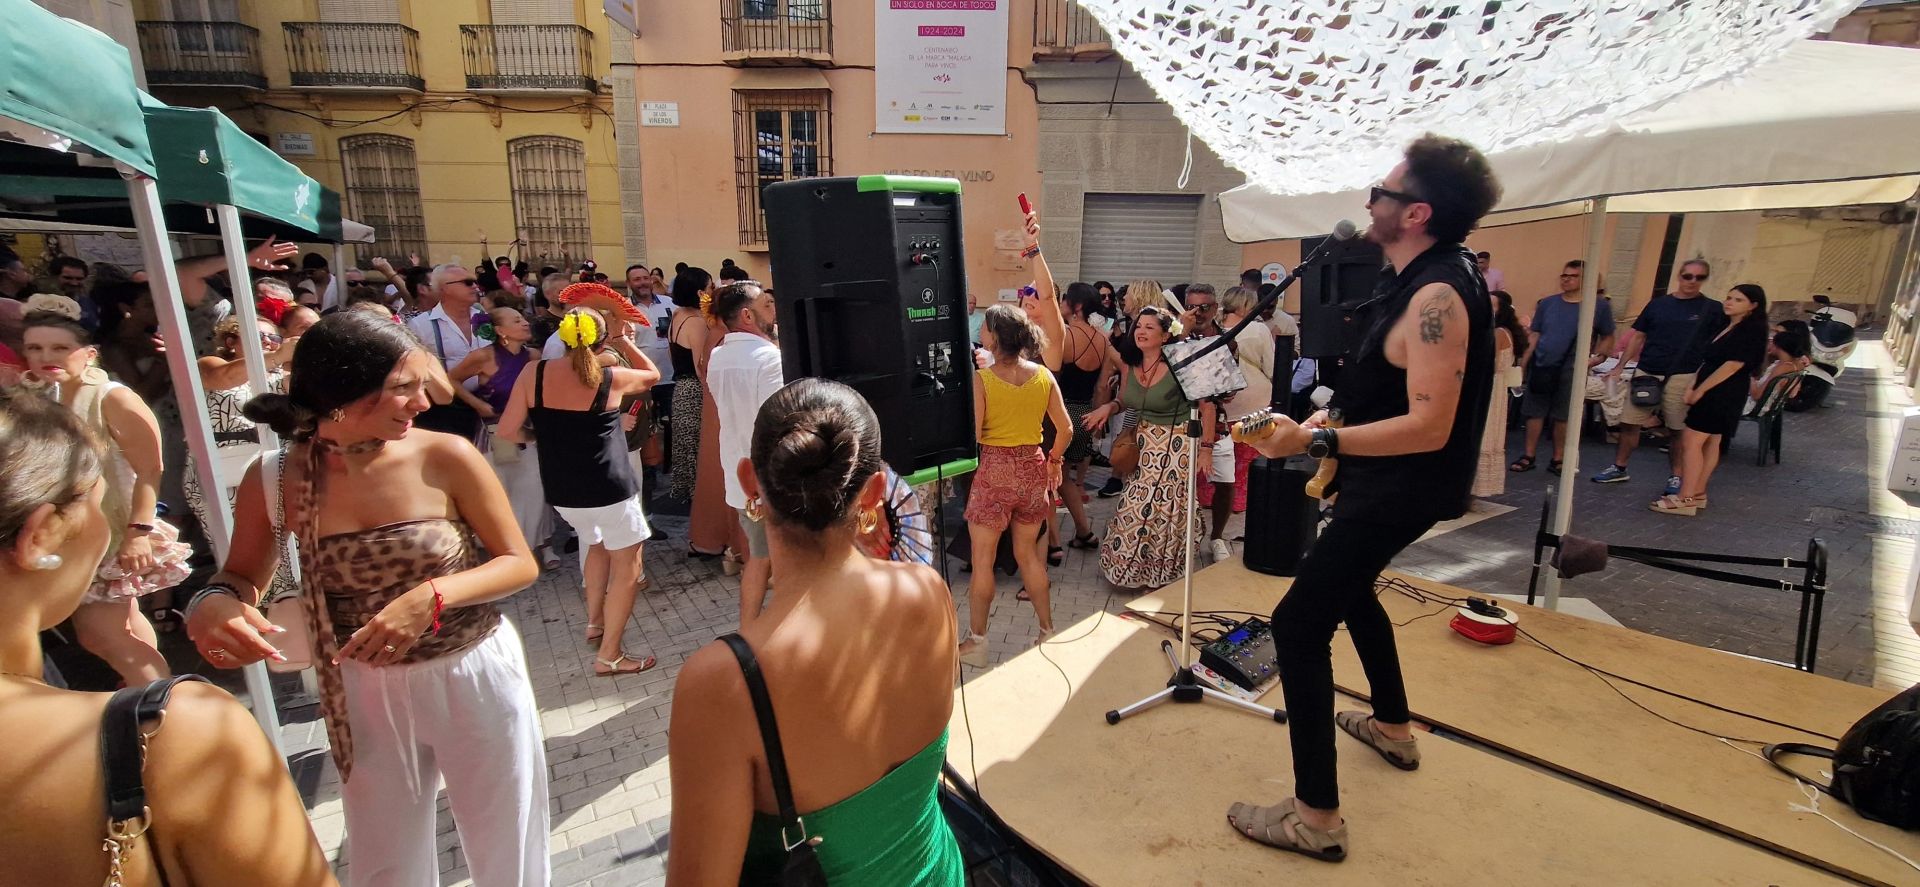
(242, 282)
(339, 272)
(143, 194)
(1576, 407)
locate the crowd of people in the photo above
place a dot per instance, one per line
(568, 404)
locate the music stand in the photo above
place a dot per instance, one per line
(1183, 686)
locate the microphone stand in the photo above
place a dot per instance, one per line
(1183, 686)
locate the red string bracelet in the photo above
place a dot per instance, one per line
(438, 601)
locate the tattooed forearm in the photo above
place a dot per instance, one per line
(1423, 397)
(1434, 314)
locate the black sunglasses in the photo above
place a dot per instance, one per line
(466, 282)
(1402, 196)
(1692, 277)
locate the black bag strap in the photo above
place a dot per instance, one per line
(770, 737)
(1774, 751)
(123, 747)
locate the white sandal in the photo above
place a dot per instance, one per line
(977, 655)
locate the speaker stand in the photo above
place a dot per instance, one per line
(1183, 686)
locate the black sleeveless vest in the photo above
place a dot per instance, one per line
(1416, 487)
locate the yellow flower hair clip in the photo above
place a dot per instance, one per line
(580, 329)
(706, 304)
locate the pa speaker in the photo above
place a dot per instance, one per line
(869, 283)
(1282, 520)
(1329, 291)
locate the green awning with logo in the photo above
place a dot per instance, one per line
(204, 159)
(201, 159)
(60, 80)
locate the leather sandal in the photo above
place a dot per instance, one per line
(613, 668)
(595, 633)
(1524, 463)
(1268, 825)
(1085, 542)
(1402, 753)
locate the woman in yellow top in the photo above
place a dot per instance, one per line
(1010, 398)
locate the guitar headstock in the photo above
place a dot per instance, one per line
(1253, 428)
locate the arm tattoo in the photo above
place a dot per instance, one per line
(1433, 318)
(1423, 397)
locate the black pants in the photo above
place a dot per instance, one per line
(1335, 585)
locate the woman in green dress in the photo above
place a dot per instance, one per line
(1144, 544)
(858, 658)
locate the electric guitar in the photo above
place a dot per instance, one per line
(1259, 426)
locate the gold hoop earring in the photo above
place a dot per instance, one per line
(869, 521)
(755, 510)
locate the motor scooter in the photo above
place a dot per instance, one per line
(1833, 341)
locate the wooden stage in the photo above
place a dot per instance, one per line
(1596, 791)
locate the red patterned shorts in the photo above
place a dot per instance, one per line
(1009, 487)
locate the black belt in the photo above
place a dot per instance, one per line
(251, 435)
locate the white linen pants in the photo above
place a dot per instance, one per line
(469, 718)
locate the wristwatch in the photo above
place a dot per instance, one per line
(1325, 443)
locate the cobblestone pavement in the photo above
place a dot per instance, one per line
(606, 738)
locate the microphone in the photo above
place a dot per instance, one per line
(1345, 229)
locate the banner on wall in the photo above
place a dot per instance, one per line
(941, 66)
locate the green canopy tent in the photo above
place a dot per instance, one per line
(75, 121)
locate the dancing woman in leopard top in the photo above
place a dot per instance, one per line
(421, 676)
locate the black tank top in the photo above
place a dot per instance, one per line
(1432, 486)
(682, 356)
(1076, 384)
(583, 453)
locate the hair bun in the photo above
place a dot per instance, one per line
(279, 412)
(817, 456)
(52, 304)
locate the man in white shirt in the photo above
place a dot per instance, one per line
(1496, 278)
(742, 373)
(320, 283)
(447, 331)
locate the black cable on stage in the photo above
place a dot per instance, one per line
(1426, 596)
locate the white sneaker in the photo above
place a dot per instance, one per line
(1222, 551)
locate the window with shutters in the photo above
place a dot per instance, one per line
(1135, 236)
(778, 134)
(549, 176)
(383, 190)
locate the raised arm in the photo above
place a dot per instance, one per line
(1053, 327)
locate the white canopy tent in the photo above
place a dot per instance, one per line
(1826, 124)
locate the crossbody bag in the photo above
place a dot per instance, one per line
(288, 611)
(123, 761)
(801, 868)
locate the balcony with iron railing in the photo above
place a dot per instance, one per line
(201, 54)
(1062, 30)
(358, 56)
(529, 58)
(776, 32)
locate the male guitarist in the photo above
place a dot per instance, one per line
(1414, 399)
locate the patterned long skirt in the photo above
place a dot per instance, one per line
(688, 394)
(1144, 545)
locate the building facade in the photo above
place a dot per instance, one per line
(734, 94)
(457, 128)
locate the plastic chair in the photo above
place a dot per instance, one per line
(1767, 416)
